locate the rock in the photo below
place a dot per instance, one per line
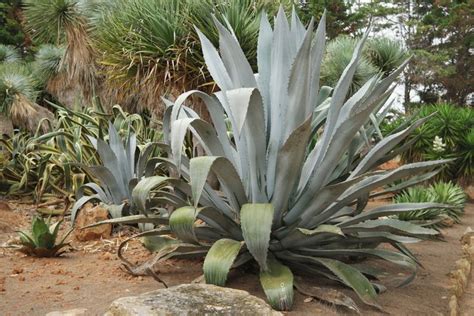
(71, 312)
(191, 299)
(90, 215)
(448, 222)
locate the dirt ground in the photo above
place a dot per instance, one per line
(90, 276)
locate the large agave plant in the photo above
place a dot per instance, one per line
(285, 204)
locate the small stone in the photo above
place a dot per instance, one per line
(70, 312)
(107, 256)
(17, 270)
(308, 299)
(2, 284)
(90, 215)
(448, 222)
(191, 299)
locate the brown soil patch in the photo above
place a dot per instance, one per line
(90, 276)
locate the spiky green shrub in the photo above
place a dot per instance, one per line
(282, 205)
(439, 192)
(42, 240)
(452, 128)
(51, 163)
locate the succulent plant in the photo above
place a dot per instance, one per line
(123, 165)
(294, 180)
(42, 241)
(446, 193)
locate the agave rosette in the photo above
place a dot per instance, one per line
(291, 195)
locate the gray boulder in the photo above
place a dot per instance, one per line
(190, 300)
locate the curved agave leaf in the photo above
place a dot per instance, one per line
(277, 283)
(388, 210)
(217, 114)
(383, 147)
(256, 222)
(234, 59)
(182, 222)
(368, 184)
(327, 295)
(219, 260)
(143, 188)
(214, 63)
(201, 129)
(81, 202)
(199, 170)
(390, 225)
(352, 278)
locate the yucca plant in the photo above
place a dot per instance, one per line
(381, 56)
(65, 22)
(8, 54)
(386, 54)
(283, 205)
(18, 92)
(149, 48)
(43, 241)
(452, 126)
(338, 55)
(439, 192)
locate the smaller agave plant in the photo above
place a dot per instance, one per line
(118, 175)
(42, 240)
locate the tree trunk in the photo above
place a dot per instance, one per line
(6, 126)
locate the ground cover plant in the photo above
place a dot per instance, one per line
(42, 240)
(439, 192)
(291, 197)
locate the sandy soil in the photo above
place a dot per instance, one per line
(90, 276)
